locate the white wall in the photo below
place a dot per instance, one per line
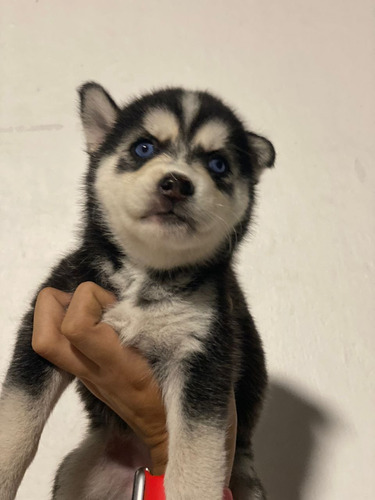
(303, 73)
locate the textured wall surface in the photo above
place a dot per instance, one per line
(302, 73)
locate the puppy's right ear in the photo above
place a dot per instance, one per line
(264, 153)
(99, 113)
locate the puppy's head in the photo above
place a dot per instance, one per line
(171, 174)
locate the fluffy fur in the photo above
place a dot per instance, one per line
(169, 195)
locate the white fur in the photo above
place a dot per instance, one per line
(212, 135)
(190, 105)
(196, 456)
(22, 419)
(162, 124)
(168, 327)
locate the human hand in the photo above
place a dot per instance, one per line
(68, 332)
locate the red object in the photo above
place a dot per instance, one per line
(154, 488)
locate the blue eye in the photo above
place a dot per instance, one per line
(144, 149)
(218, 165)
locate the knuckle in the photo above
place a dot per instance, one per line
(71, 329)
(87, 287)
(41, 347)
(45, 293)
(74, 330)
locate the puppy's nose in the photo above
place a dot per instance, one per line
(176, 186)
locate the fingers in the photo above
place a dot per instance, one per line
(86, 307)
(47, 339)
(82, 324)
(69, 333)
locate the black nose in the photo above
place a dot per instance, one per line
(176, 186)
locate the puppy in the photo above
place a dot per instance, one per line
(169, 196)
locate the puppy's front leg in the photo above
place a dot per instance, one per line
(196, 467)
(197, 456)
(24, 410)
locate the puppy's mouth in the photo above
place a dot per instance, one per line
(165, 213)
(168, 218)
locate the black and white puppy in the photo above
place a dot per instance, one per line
(169, 195)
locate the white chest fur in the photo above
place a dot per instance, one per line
(160, 318)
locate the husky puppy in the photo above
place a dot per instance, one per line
(169, 196)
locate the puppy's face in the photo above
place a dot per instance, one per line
(173, 173)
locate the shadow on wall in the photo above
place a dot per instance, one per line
(285, 441)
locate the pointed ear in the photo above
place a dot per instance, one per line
(264, 152)
(99, 113)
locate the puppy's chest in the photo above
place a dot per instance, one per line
(160, 317)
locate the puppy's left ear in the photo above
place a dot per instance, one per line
(99, 113)
(263, 151)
